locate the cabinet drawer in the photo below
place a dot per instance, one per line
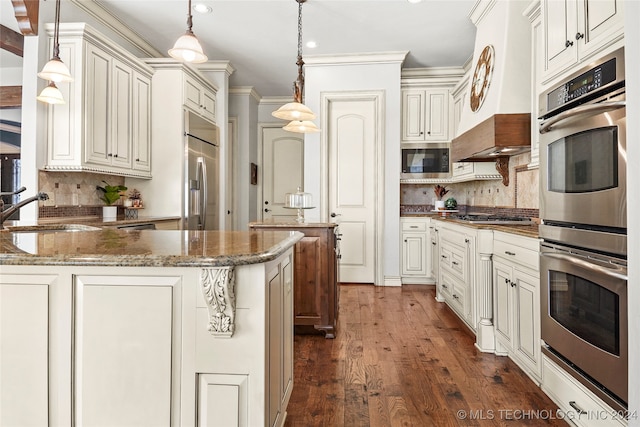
(453, 259)
(453, 292)
(519, 254)
(571, 397)
(414, 225)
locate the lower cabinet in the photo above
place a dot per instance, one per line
(516, 287)
(315, 295)
(576, 402)
(416, 250)
(147, 346)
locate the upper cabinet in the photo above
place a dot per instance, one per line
(574, 30)
(425, 115)
(105, 124)
(200, 98)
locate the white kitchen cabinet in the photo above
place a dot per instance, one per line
(575, 30)
(474, 171)
(456, 270)
(579, 404)
(416, 250)
(106, 119)
(517, 301)
(200, 98)
(425, 115)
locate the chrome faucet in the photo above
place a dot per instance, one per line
(6, 213)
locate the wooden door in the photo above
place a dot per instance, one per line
(282, 170)
(352, 148)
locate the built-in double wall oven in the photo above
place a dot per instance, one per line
(583, 256)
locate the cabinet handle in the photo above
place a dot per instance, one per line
(115, 155)
(109, 155)
(513, 284)
(568, 43)
(509, 253)
(466, 240)
(506, 281)
(267, 210)
(579, 36)
(455, 296)
(575, 406)
(137, 160)
(443, 256)
(413, 226)
(460, 166)
(433, 243)
(454, 263)
(445, 286)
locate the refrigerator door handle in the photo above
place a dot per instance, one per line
(203, 192)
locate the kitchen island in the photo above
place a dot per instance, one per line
(146, 327)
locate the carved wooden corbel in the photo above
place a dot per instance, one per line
(218, 288)
(502, 166)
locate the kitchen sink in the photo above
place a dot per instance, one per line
(49, 228)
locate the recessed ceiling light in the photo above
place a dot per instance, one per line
(202, 8)
(311, 44)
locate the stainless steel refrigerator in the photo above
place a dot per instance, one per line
(202, 173)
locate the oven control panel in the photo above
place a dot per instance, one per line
(585, 83)
(588, 83)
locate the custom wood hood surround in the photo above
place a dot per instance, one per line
(496, 122)
(494, 139)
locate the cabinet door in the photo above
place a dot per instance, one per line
(503, 310)
(208, 100)
(603, 23)
(414, 249)
(97, 104)
(141, 123)
(192, 92)
(413, 115)
(310, 279)
(122, 113)
(437, 118)
(560, 18)
(527, 340)
(287, 332)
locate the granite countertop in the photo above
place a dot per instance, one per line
(291, 223)
(92, 221)
(144, 248)
(522, 230)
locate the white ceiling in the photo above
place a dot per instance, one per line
(259, 37)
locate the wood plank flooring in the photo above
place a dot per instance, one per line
(402, 359)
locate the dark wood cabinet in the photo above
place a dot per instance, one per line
(316, 275)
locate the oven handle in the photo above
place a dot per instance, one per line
(591, 108)
(589, 266)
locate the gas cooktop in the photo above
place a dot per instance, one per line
(493, 219)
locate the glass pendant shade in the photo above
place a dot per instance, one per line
(56, 71)
(294, 111)
(188, 49)
(51, 95)
(301, 126)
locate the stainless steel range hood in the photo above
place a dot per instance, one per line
(501, 127)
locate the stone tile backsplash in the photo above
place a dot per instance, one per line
(73, 193)
(521, 194)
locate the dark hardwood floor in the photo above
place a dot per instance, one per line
(402, 359)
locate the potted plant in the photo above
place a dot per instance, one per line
(439, 191)
(110, 195)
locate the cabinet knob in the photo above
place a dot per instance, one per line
(137, 160)
(466, 240)
(115, 155)
(579, 36)
(568, 43)
(428, 132)
(405, 240)
(109, 155)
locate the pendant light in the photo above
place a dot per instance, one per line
(55, 70)
(187, 47)
(299, 114)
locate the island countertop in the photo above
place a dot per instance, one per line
(142, 248)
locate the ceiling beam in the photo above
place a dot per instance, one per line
(11, 41)
(10, 97)
(27, 12)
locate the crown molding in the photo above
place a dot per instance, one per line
(217, 65)
(357, 58)
(245, 90)
(112, 22)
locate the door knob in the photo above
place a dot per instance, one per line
(333, 214)
(267, 210)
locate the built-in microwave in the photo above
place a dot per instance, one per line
(424, 161)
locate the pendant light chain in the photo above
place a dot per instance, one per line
(56, 32)
(298, 85)
(189, 20)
